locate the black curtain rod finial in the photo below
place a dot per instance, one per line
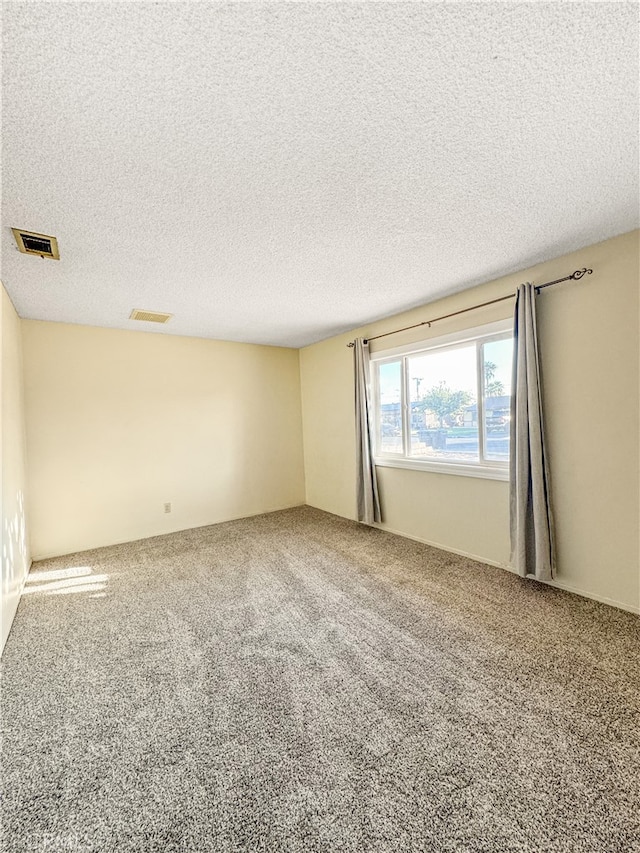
(579, 273)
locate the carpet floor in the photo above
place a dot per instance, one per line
(297, 682)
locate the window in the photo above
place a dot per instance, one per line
(445, 405)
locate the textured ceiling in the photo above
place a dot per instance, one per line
(280, 172)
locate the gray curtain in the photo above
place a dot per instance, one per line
(532, 545)
(367, 483)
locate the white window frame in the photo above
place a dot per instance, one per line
(487, 469)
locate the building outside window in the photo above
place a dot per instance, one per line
(445, 404)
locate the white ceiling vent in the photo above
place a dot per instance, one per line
(31, 243)
(149, 316)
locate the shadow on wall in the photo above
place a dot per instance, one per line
(14, 548)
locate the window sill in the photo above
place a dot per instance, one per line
(458, 469)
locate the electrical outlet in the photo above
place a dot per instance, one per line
(167, 507)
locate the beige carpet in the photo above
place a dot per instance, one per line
(296, 682)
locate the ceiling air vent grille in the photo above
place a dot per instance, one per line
(149, 316)
(31, 243)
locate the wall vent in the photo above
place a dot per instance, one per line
(149, 316)
(31, 243)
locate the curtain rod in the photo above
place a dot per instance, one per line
(574, 275)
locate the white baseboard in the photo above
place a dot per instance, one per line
(22, 586)
(556, 584)
(630, 608)
(53, 554)
(442, 547)
(621, 605)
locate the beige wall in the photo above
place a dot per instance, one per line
(118, 423)
(590, 362)
(15, 548)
